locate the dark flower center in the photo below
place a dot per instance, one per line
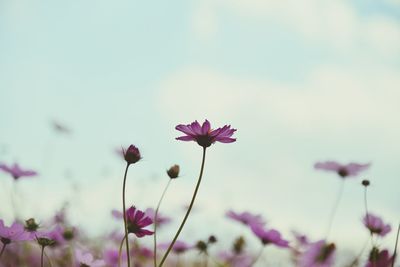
(325, 252)
(5, 241)
(343, 172)
(204, 140)
(133, 228)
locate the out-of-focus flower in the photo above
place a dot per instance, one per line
(59, 127)
(301, 238)
(161, 219)
(110, 257)
(179, 246)
(31, 225)
(343, 170)
(137, 220)
(318, 254)
(246, 218)
(236, 259)
(132, 154)
(16, 172)
(269, 236)
(16, 232)
(376, 225)
(204, 135)
(86, 259)
(173, 172)
(379, 258)
(142, 252)
(117, 214)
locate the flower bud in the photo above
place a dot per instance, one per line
(212, 239)
(132, 154)
(31, 225)
(365, 183)
(201, 245)
(44, 242)
(173, 172)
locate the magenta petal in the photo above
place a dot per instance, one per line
(185, 138)
(206, 127)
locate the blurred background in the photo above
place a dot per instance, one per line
(302, 81)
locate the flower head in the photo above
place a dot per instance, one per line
(376, 225)
(204, 135)
(318, 254)
(343, 170)
(379, 258)
(132, 154)
(173, 172)
(246, 218)
(16, 172)
(137, 220)
(269, 236)
(16, 232)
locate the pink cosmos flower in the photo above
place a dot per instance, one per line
(204, 135)
(376, 225)
(161, 219)
(379, 258)
(246, 218)
(137, 220)
(86, 259)
(110, 256)
(269, 236)
(117, 214)
(16, 232)
(343, 170)
(16, 172)
(318, 254)
(179, 246)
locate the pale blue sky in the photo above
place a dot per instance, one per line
(302, 81)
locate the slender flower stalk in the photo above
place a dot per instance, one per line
(155, 223)
(120, 251)
(366, 183)
(41, 257)
(258, 256)
(188, 210)
(334, 209)
(2, 249)
(395, 246)
(124, 213)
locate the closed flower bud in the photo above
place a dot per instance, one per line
(365, 182)
(202, 246)
(69, 234)
(132, 154)
(212, 239)
(31, 225)
(173, 172)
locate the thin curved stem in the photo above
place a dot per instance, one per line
(334, 210)
(2, 249)
(188, 211)
(155, 222)
(355, 261)
(124, 212)
(120, 251)
(256, 258)
(367, 215)
(395, 246)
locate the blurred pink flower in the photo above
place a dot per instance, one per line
(376, 225)
(179, 246)
(269, 236)
(117, 214)
(110, 256)
(351, 169)
(16, 172)
(204, 135)
(87, 259)
(246, 218)
(136, 221)
(318, 254)
(379, 258)
(161, 219)
(236, 259)
(16, 232)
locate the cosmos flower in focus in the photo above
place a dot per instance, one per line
(343, 170)
(318, 254)
(136, 221)
(204, 135)
(16, 172)
(246, 218)
(376, 225)
(269, 236)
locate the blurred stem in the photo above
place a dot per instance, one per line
(188, 211)
(355, 261)
(256, 258)
(120, 251)
(395, 246)
(335, 207)
(155, 222)
(41, 257)
(124, 212)
(2, 249)
(367, 215)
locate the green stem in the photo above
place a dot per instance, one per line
(256, 258)
(395, 246)
(120, 251)
(41, 257)
(124, 212)
(155, 222)
(2, 249)
(187, 212)
(334, 210)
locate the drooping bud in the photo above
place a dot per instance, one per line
(173, 172)
(31, 225)
(132, 154)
